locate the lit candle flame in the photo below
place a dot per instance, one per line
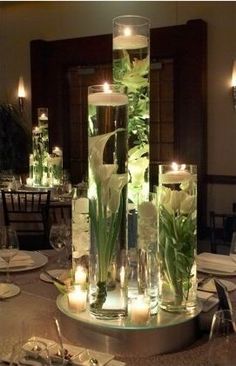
(21, 88)
(106, 88)
(234, 74)
(127, 32)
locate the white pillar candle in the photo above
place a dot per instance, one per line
(177, 174)
(80, 276)
(77, 300)
(107, 98)
(130, 42)
(140, 311)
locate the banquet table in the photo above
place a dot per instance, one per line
(35, 307)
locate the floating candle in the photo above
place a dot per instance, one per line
(57, 151)
(129, 42)
(77, 300)
(43, 117)
(107, 99)
(177, 174)
(80, 275)
(140, 311)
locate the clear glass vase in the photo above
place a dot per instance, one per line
(177, 235)
(131, 68)
(107, 192)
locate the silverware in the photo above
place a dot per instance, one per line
(53, 278)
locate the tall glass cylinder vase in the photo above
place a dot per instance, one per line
(131, 67)
(177, 234)
(107, 191)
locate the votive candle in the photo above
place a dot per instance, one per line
(77, 299)
(140, 311)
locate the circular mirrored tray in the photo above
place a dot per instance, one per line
(121, 337)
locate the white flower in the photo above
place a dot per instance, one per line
(188, 205)
(137, 170)
(96, 150)
(115, 186)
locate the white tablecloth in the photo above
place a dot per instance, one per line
(35, 306)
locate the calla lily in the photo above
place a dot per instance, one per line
(116, 184)
(137, 169)
(96, 150)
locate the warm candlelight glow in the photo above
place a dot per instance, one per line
(43, 116)
(106, 88)
(234, 74)
(80, 276)
(127, 32)
(77, 299)
(140, 311)
(21, 88)
(57, 151)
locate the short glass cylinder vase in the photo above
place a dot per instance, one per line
(177, 235)
(107, 193)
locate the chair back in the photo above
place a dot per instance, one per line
(23, 210)
(57, 213)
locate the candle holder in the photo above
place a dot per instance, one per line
(107, 194)
(177, 201)
(77, 299)
(140, 310)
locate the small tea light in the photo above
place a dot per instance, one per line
(80, 276)
(57, 151)
(122, 277)
(140, 311)
(77, 299)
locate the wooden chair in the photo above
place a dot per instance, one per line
(24, 211)
(222, 227)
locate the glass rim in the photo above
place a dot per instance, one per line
(146, 21)
(100, 87)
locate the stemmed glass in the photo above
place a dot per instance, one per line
(9, 247)
(59, 239)
(222, 340)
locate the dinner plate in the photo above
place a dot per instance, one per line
(215, 272)
(37, 258)
(60, 274)
(8, 290)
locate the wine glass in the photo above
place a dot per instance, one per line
(9, 247)
(222, 339)
(33, 352)
(58, 240)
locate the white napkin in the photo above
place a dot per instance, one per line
(216, 262)
(21, 259)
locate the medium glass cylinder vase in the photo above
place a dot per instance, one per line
(107, 192)
(177, 235)
(131, 68)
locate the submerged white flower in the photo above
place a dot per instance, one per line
(115, 186)
(96, 150)
(137, 170)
